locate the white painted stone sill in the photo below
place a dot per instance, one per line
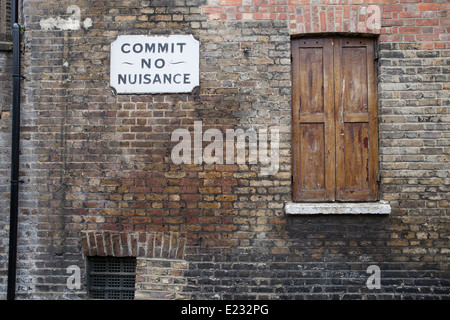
(303, 208)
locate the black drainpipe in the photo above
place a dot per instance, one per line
(14, 204)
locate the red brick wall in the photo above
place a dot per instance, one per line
(402, 20)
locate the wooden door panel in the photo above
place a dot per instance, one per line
(356, 134)
(334, 120)
(312, 151)
(356, 156)
(354, 78)
(313, 120)
(311, 80)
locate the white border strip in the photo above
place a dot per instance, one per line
(380, 207)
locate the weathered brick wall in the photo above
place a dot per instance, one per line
(96, 163)
(161, 279)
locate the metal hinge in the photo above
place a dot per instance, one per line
(378, 177)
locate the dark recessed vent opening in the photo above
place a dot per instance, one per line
(111, 278)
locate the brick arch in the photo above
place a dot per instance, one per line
(303, 16)
(338, 18)
(166, 245)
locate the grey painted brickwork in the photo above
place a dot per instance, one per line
(94, 162)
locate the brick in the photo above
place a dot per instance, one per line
(393, 7)
(428, 6)
(230, 2)
(427, 22)
(409, 30)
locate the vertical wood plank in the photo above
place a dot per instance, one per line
(356, 134)
(313, 120)
(295, 128)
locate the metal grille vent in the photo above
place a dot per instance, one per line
(111, 278)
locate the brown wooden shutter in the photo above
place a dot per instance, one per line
(356, 120)
(313, 120)
(334, 128)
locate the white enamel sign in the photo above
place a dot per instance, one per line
(154, 64)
